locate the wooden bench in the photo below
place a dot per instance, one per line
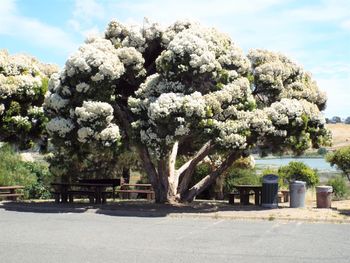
(145, 189)
(64, 192)
(10, 192)
(79, 193)
(245, 191)
(113, 182)
(283, 196)
(243, 196)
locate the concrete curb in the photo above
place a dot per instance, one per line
(27, 207)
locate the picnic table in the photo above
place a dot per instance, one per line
(112, 182)
(137, 188)
(244, 191)
(10, 192)
(94, 191)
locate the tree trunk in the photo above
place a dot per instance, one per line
(187, 172)
(210, 178)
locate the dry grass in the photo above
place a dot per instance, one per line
(341, 135)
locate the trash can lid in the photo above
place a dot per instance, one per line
(270, 179)
(298, 182)
(324, 188)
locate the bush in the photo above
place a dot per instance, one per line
(322, 151)
(35, 177)
(282, 182)
(299, 171)
(340, 186)
(340, 158)
(237, 176)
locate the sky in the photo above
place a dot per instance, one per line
(316, 34)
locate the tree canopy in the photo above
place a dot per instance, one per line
(23, 84)
(183, 89)
(341, 159)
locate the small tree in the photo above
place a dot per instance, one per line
(23, 84)
(347, 120)
(299, 171)
(336, 119)
(184, 89)
(340, 158)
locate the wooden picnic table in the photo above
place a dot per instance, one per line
(95, 192)
(137, 188)
(10, 192)
(245, 190)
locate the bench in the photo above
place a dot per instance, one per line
(244, 197)
(90, 194)
(113, 182)
(145, 189)
(10, 192)
(64, 192)
(283, 196)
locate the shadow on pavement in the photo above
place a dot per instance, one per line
(128, 208)
(345, 212)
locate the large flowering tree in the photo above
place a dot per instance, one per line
(23, 84)
(185, 88)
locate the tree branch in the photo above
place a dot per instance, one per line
(124, 119)
(209, 179)
(172, 160)
(186, 170)
(148, 164)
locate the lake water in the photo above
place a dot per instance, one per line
(316, 163)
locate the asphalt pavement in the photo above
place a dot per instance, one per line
(88, 237)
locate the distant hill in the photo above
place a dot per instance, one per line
(341, 134)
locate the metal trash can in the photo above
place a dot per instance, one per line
(297, 191)
(269, 193)
(324, 196)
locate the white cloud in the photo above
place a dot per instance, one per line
(338, 95)
(346, 24)
(84, 15)
(196, 9)
(33, 31)
(336, 11)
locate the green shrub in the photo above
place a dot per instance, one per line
(282, 182)
(41, 188)
(340, 186)
(35, 177)
(340, 158)
(299, 171)
(237, 176)
(322, 151)
(12, 170)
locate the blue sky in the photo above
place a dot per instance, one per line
(314, 33)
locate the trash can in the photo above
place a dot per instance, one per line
(297, 191)
(324, 196)
(269, 193)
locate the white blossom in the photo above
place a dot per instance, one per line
(82, 87)
(55, 102)
(109, 135)
(84, 134)
(59, 126)
(2, 108)
(94, 112)
(100, 55)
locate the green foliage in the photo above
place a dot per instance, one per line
(282, 182)
(35, 177)
(322, 151)
(238, 176)
(299, 171)
(340, 187)
(340, 158)
(200, 172)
